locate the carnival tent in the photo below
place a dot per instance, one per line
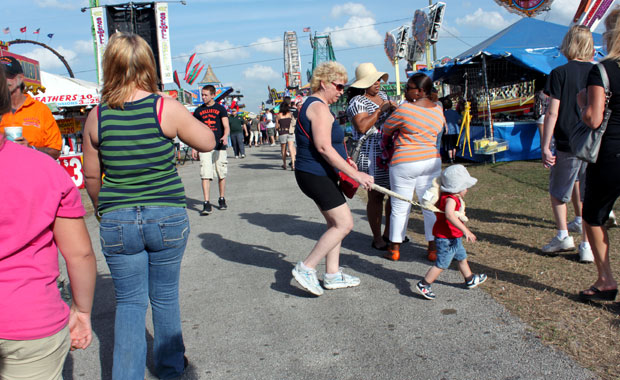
(67, 92)
(528, 43)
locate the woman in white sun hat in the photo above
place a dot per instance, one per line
(368, 109)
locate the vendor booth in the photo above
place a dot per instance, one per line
(500, 76)
(72, 99)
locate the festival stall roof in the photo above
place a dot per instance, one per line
(67, 92)
(528, 43)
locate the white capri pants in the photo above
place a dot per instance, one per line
(254, 137)
(404, 179)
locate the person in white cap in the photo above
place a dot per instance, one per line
(449, 230)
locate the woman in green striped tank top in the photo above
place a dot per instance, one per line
(141, 203)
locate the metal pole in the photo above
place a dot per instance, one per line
(396, 67)
(430, 3)
(488, 95)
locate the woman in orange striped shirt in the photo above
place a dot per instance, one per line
(416, 161)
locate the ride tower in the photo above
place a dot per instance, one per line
(322, 51)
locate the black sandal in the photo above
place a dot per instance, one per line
(384, 248)
(598, 295)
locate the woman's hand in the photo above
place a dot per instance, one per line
(364, 180)
(386, 106)
(80, 329)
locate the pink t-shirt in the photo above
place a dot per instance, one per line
(34, 190)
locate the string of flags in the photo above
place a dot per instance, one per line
(7, 30)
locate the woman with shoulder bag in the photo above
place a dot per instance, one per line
(320, 156)
(603, 176)
(370, 109)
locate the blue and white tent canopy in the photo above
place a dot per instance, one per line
(532, 46)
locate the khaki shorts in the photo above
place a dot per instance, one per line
(37, 359)
(213, 163)
(562, 176)
(285, 138)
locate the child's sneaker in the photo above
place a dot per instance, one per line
(341, 281)
(476, 280)
(307, 279)
(425, 290)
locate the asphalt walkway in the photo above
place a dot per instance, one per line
(245, 318)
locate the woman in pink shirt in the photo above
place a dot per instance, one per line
(41, 212)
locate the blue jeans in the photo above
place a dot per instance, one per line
(237, 143)
(143, 247)
(448, 249)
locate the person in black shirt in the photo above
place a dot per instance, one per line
(214, 115)
(562, 114)
(603, 177)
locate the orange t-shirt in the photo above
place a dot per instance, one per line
(419, 128)
(38, 124)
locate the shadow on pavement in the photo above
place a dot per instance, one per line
(255, 255)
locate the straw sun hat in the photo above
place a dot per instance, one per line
(366, 75)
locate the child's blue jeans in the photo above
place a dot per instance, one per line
(448, 249)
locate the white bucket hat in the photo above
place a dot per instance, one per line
(455, 179)
(366, 75)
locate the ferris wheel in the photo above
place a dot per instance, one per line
(292, 61)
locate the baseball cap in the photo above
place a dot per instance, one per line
(11, 66)
(455, 179)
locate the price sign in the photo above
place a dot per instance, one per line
(68, 126)
(73, 166)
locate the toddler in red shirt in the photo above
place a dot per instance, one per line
(449, 230)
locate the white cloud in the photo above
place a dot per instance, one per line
(220, 49)
(350, 9)
(84, 46)
(489, 20)
(562, 12)
(357, 31)
(268, 45)
(61, 4)
(48, 60)
(260, 72)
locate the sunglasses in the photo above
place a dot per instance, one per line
(411, 88)
(339, 86)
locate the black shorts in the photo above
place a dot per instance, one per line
(602, 190)
(323, 190)
(449, 141)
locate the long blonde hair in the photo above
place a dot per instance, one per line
(578, 43)
(612, 34)
(128, 64)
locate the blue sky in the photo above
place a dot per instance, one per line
(242, 39)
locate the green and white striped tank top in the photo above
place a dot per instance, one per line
(137, 158)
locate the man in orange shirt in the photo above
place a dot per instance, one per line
(39, 128)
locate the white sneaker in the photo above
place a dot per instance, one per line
(557, 245)
(585, 253)
(342, 281)
(611, 222)
(573, 226)
(307, 279)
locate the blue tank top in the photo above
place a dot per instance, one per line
(308, 158)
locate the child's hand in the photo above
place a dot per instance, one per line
(469, 236)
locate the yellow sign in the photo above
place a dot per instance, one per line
(69, 126)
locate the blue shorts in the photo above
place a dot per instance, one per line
(448, 249)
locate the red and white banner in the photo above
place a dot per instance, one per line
(100, 36)
(163, 42)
